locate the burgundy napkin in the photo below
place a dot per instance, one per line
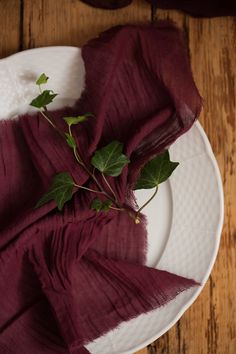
(68, 277)
(199, 8)
(108, 4)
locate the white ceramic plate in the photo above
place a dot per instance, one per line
(184, 221)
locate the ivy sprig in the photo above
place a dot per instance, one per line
(99, 205)
(155, 172)
(42, 100)
(42, 79)
(109, 161)
(45, 97)
(60, 191)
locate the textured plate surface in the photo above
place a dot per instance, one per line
(184, 221)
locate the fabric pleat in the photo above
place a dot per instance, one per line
(196, 8)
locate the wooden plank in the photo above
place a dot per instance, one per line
(10, 30)
(71, 22)
(212, 43)
(209, 326)
(142, 351)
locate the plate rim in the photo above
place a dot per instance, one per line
(198, 290)
(27, 51)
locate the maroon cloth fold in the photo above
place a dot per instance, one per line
(198, 8)
(68, 277)
(108, 4)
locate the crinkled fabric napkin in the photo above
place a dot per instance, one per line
(68, 277)
(199, 8)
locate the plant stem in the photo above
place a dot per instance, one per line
(91, 174)
(102, 191)
(80, 161)
(77, 156)
(87, 189)
(95, 179)
(109, 186)
(147, 202)
(70, 132)
(121, 209)
(48, 119)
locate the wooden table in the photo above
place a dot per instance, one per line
(209, 326)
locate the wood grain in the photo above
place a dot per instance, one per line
(10, 27)
(143, 351)
(209, 326)
(71, 22)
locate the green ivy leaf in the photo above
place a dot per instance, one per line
(99, 205)
(106, 205)
(60, 190)
(43, 99)
(156, 171)
(96, 205)
(70, 140)
(110, 160)
(42, 79)
(78, 119)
